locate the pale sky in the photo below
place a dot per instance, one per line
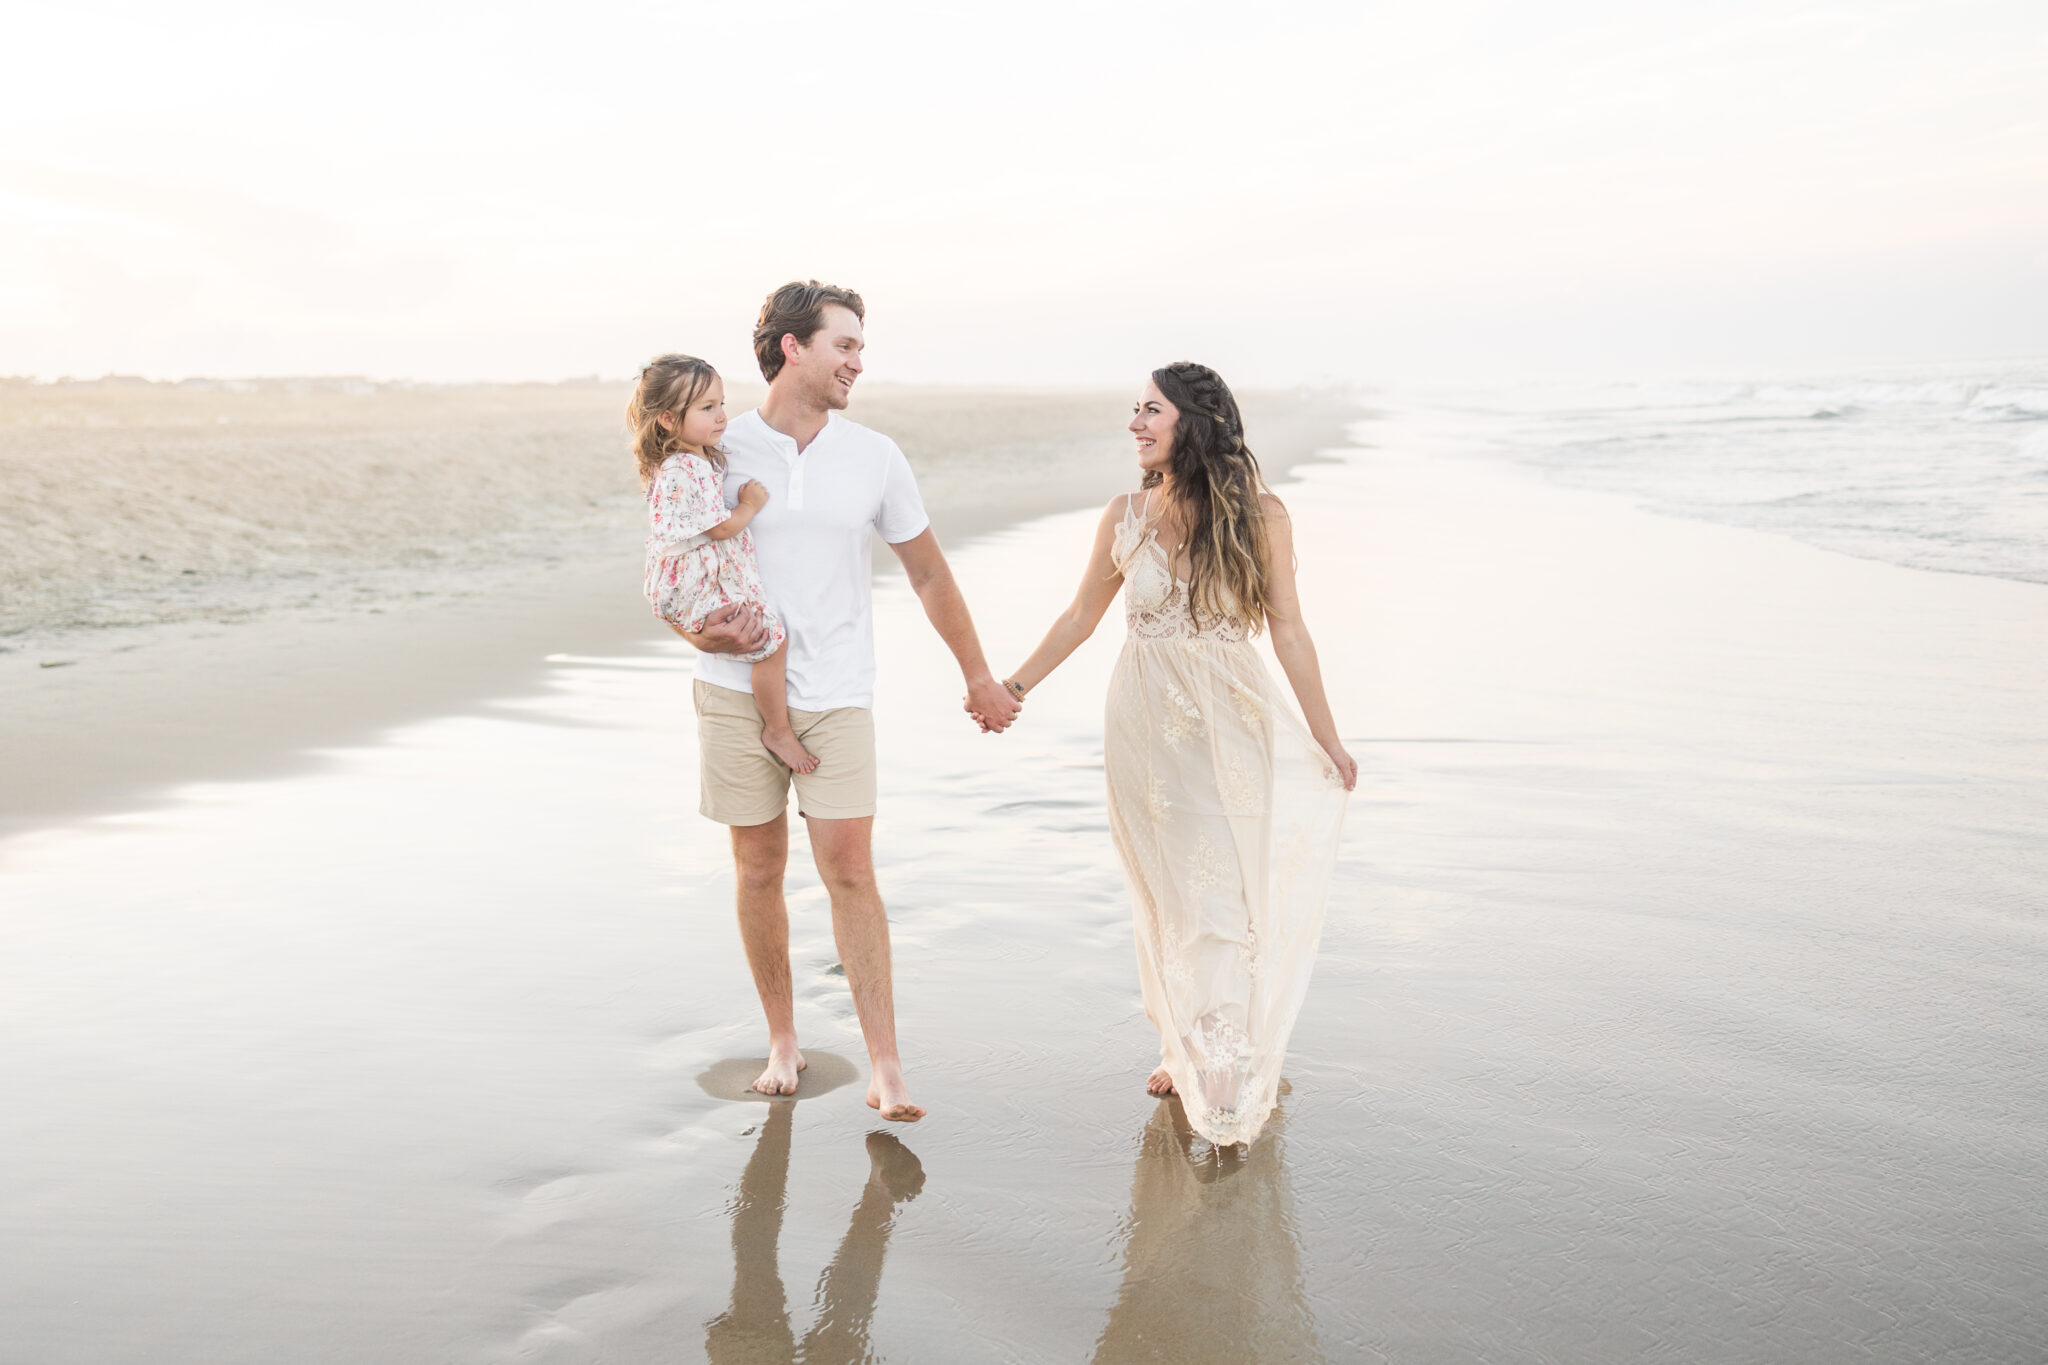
(1385, 193)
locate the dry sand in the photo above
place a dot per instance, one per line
(133, 504)
(1680, 1000)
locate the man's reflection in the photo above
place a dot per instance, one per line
(755, 1330)
(1212, 1270)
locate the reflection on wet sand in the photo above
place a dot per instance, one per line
(1212, 1268)
(755, 1329)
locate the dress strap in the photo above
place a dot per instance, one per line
(1131, 533)
(1137, 515)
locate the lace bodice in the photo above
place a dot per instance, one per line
(1155, 601)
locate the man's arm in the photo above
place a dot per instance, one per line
(932, 580)
(736, 629)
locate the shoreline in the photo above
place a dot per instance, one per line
(104, 719)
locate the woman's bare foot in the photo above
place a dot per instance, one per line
(780, 1077)
(887, 1093)
(786, 746)
(1160, 1084)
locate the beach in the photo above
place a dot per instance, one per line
(1679, 997)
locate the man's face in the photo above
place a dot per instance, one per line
(825, 369)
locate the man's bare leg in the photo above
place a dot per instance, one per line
(860, 926)
(759, 854)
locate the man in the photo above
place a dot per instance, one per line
(831, 484)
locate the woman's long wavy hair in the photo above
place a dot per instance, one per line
(668, 383)
(1216, 488)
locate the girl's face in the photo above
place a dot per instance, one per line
(1152, 422)
(704, 422)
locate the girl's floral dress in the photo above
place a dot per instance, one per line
(690, 575)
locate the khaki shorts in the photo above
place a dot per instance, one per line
(744, 784)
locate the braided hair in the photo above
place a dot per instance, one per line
(1216, 486)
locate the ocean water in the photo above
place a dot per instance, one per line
(1942, 468)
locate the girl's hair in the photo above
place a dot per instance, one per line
(1216, 487)
(668, 383)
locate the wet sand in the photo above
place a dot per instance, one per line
(1680, 1000)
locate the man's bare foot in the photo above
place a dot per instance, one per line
(1160, 1084)
(786, 746)
(780, 1077)
(892, 1097)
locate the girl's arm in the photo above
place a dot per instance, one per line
(753, 497)
(1291, 642)
(1099, 586)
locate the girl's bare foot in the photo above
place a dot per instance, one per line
(1160, 1084)
(887, 1093)
(787, 747)
(780, 1077)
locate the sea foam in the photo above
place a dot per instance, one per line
(1934, 470)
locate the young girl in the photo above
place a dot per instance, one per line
(700, 555)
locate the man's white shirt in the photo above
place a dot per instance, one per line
(814, 544)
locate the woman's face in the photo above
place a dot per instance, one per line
(704, 423)
(1152, 422)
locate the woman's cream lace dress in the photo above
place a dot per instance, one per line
(1227, 813)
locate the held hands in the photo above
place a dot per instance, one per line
(753, 495)
(992, 704)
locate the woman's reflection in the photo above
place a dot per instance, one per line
(755, 1330)
(1212, 1270)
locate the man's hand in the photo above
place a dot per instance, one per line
(993, 706)
(737, 629)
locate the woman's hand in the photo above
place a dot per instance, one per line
(753, 495)
(1347, 766)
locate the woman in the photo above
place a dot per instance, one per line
(1225, 808)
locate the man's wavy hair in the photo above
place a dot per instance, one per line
(1216, 488)
(797, 309)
